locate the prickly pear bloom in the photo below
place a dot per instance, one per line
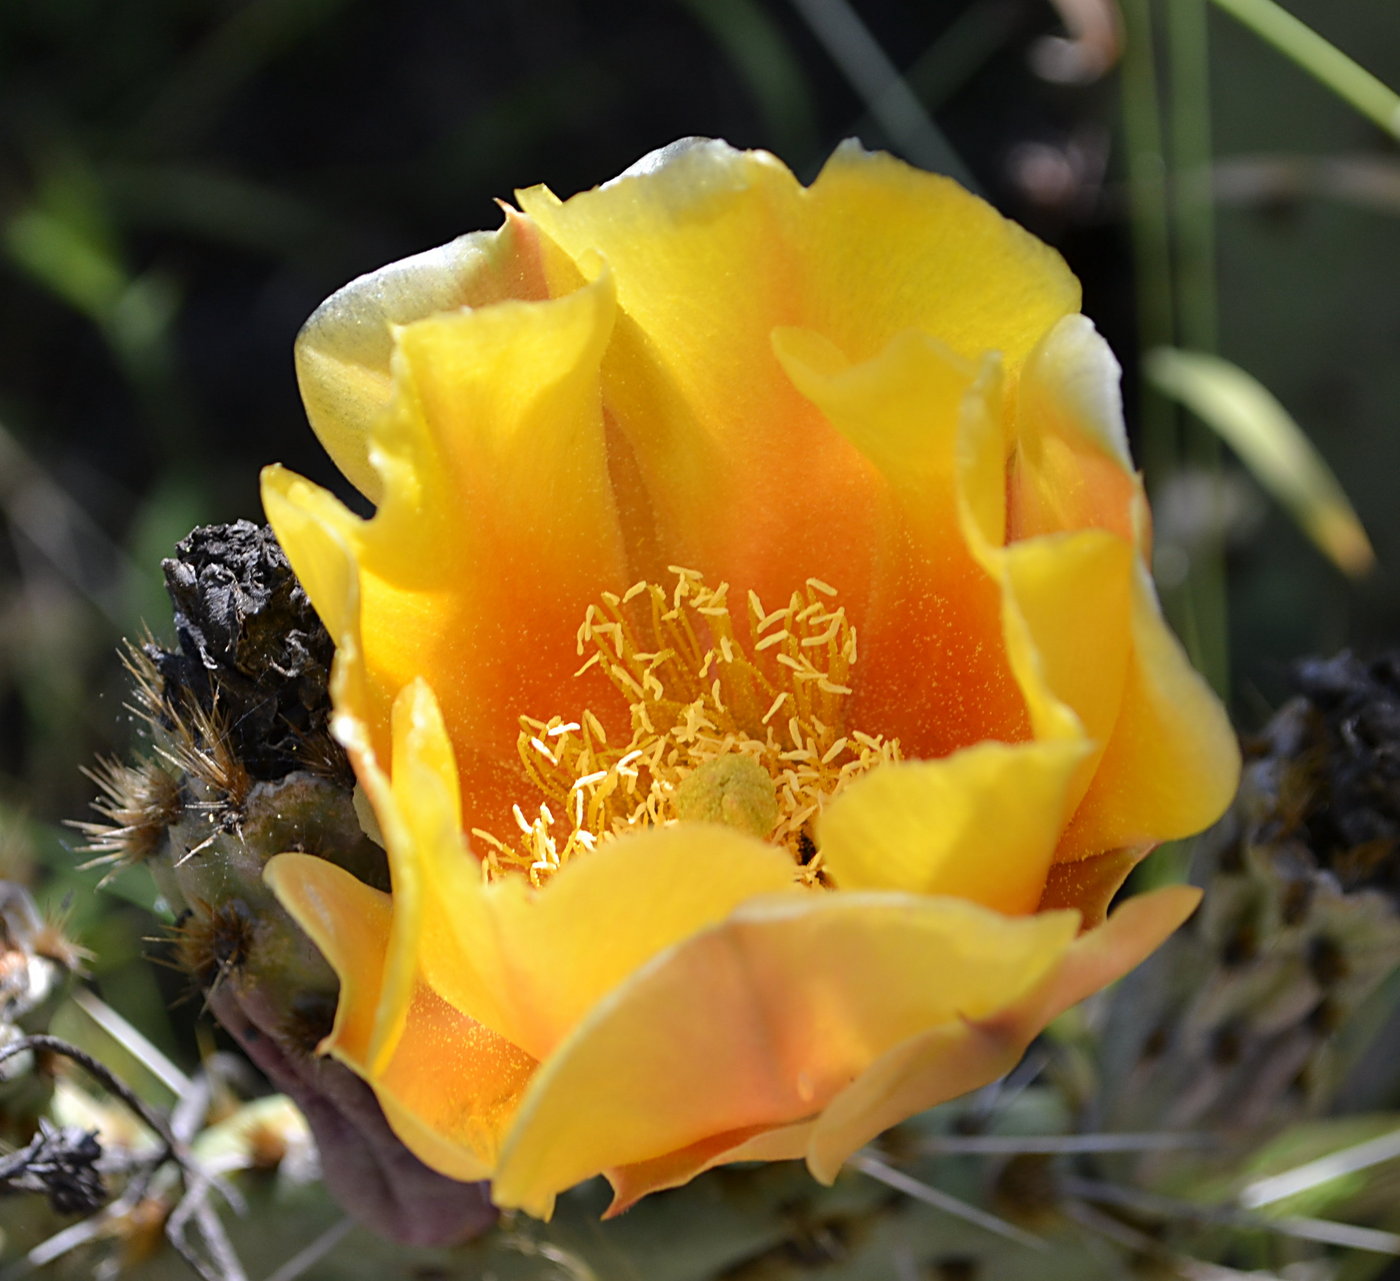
(751, 665)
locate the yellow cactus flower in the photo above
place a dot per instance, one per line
(751, 664)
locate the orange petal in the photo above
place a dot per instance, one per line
(496, 531)
(1088, 884)
(931, 607)
(759, 1021)
(757, 1143)
(713, 249)
(450, 1089)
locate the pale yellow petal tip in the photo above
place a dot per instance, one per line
(344, 351)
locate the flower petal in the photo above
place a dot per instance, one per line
(1066, 622)
(981, 824)
(1071, 468)
(452, 1090)
(349, 922)
(496, 477)
(558, 951)
(1089, 884)
(931, 606)
(449, 1090)
(1072, 592)
(936, 258)
(957, 1056)
(1172, 762)
(532, 963)
(713, 249)
(344, 350)
(756, 1143)
(700, 244)
(602, 918)
(686, 225)
(761, 1020)
(319, 535)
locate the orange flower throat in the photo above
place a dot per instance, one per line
(744, 729)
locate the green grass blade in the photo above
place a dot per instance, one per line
(1248, 417)
(1320, 58)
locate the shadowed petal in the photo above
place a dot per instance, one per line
(961, 1055)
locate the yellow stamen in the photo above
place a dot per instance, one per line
(746, 729)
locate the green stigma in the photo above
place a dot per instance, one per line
(734, 790)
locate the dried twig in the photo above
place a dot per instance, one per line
(194, 1205)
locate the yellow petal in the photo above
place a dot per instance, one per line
(1061, 542)
(604, 917)
(761, 1020)
(320, 536)
(496, 534)
(1172, 764)
(449, 1088)
(343, 352)
(899, 408)
(957, 1056)
(1080, 621)
(1071, 468)
(1073, 592)
(1067, 625)
(349, 923)
(530, 964)
(557, 952)
(935, 258)
(981, 824)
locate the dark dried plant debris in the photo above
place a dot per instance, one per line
(252, 652)
(61, 1163)
(1338, 794)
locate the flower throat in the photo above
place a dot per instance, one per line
(746, 730)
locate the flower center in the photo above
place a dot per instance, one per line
(742, 724)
